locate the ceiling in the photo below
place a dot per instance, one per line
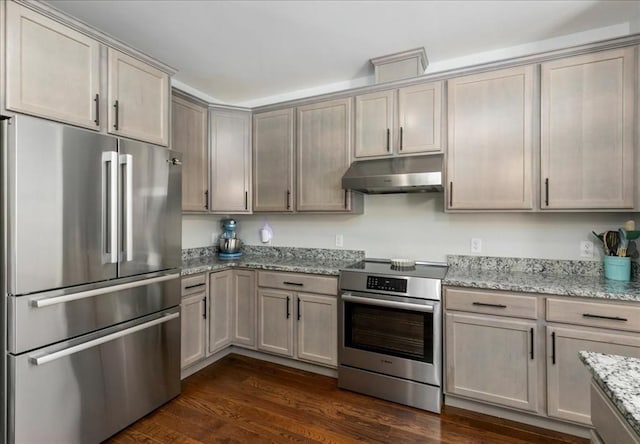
(254, 52)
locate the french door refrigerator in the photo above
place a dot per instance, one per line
(92, 255)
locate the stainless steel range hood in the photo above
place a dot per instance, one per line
(395, 175)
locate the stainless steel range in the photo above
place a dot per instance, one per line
(390, 332)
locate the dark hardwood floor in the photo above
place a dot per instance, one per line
(243, 400)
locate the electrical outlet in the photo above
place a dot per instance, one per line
(214, 238)
(476, 245)
(586, 249)
(339, 240)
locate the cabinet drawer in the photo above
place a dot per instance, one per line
(299, 282)
(608, 421)
(193, 284)
(594, 314)
(501, 304)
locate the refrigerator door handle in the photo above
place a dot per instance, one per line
(108, 338)
(126, 160)
(110, 207)
(46, 302)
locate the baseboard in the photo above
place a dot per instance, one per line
(186, 372)
(512, 415)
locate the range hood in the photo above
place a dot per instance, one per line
(395, 175)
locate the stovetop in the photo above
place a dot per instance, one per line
(383, 267)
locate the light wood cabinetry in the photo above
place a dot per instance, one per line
(300, 323)
(403, 121)
(220, 310)
(138, 99)
(489, 153)
(230, 161)
(189, 136)
(587, 131)
(273, 168)
(323, 156)
(244, 308)
(52, 70)
(611, 427)
(193, 320)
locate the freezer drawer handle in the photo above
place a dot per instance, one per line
(90, 344)
(391, 304)
(39, 303)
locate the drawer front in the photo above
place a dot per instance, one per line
(501, 304)
(299, 282)
(608, 422)
(193, 284)
(594, 314)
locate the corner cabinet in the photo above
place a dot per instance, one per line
(220, 310)
(189, 136)
(230, 161)
(52, 71)
(587, 131)
(273, 144)
(244, 308)
(323, 156)
(490, 146)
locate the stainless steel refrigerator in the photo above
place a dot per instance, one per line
(92, 254)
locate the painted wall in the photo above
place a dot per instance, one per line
(416, 226)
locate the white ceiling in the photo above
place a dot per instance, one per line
(252, 52)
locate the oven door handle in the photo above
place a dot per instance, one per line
(391, 304)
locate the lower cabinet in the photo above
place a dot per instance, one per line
(194, 329)
(492, 359)
(317, 317)
(220, 310)
(275, 324)
(244, 308)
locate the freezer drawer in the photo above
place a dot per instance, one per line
(42, 319)
(85, 390)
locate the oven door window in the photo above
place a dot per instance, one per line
(391, 331)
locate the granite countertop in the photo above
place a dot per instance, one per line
(619, 378)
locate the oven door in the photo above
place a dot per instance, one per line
(392, 335)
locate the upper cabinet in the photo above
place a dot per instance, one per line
(138, 96)
(52, 71)
(403, 121)
(230, 161)
(587, 131)
(323, 156)
(189, 136)
(273, 167)
(489, 153)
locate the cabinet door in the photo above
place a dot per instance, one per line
(189, 136)
(587, 132)
(193, 338)
(273, 161)
(420, 118)
(230, 161)
(244, 308)
(375, 124)
(139, 99)
(489, 155)
(324, 155)
(220, 310)
(52, 71)
(491, 359)
(275, 322)
(317, 328)
(567, 378)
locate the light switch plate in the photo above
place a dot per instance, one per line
(339, 240)
(586, 249)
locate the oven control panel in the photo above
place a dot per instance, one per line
(383, 283)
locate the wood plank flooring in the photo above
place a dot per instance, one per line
(244, 400)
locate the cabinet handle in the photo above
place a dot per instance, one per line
(97, 100)
(450, 194)
(553, 348)
(246, 200)
(288, 313)
(117, 107)
(298, 308)
(297, 284)
(401, 131)
(288, 200)
(346, 206)
(610, 318)
(546, 191)
(388, 140)
(484, 304)
(194, 286)
(206, 200)
(531, 330)
(204, 313)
